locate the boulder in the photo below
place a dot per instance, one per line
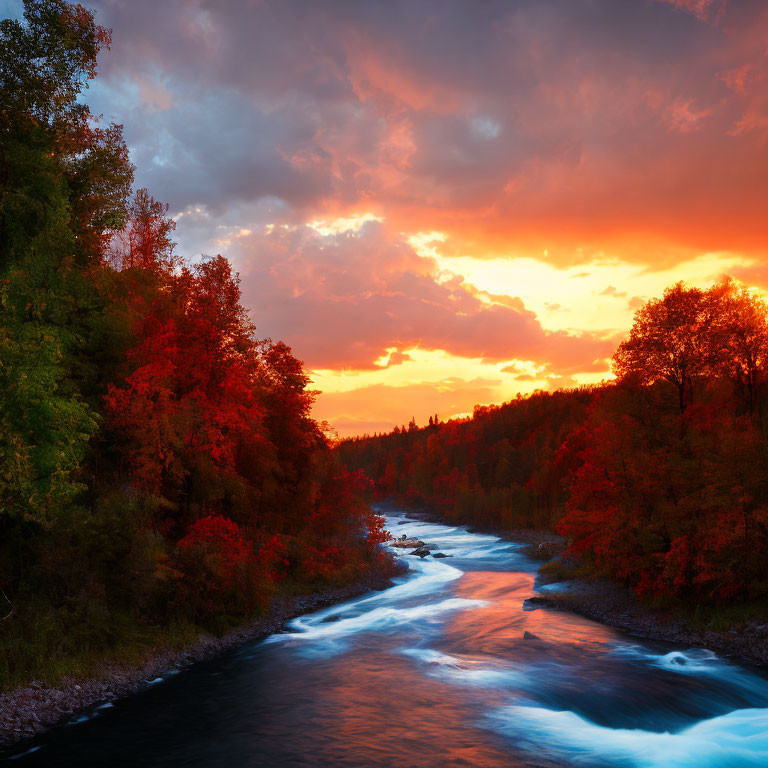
(407, 543)
(532, 603)
(440, 554)
(420, 551)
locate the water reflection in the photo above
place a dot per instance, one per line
(443, 669)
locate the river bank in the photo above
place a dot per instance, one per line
(745, 640)
(29, 710)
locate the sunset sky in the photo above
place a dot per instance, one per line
(440, 203)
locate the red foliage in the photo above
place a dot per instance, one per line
(321, 564)
(221, 536)
(216, 426)
(214, 566)
(376, 533)
(659, 481)
(193, 392)
(274, 559)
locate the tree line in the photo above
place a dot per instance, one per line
(158, 462)
(658, 479)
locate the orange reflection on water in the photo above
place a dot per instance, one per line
(502, 624)
(384, 706)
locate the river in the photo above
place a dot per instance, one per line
(444, 669)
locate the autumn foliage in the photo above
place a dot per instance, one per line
(503, 468)
(158, 460)
(659, 480)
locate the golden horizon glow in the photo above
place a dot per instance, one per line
(341, 224)
(595, 295)
(435, 371)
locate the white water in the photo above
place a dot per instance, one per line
(739, 738)
(736, 738)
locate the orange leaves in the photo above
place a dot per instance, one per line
(667, 342)
(376, 534)
(690, 335)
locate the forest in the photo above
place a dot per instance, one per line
(160, 472)
(657, 479)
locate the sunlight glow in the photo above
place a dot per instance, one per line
(428, 382)
(338, 226)
(596, 296)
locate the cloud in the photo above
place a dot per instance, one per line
(552, 124)
(398, 358)
(703, 9)
(315, 143)
(344, 300)
(611, 290)
(736, 78)
(684, 117)
(753, 274)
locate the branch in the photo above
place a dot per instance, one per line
(10, 613)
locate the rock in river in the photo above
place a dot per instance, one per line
(532, 603)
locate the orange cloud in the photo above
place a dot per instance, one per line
(344, 300)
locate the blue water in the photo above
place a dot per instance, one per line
(443, 669)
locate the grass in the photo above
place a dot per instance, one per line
(559, 570)
(724, 618)
(46, 645)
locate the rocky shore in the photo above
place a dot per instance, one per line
(29, 710)
(617, 607)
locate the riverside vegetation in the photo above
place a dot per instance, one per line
(160, 474)
(657, 480)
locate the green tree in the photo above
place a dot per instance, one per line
(62, 187)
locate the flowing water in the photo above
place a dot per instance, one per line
(444, 669)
